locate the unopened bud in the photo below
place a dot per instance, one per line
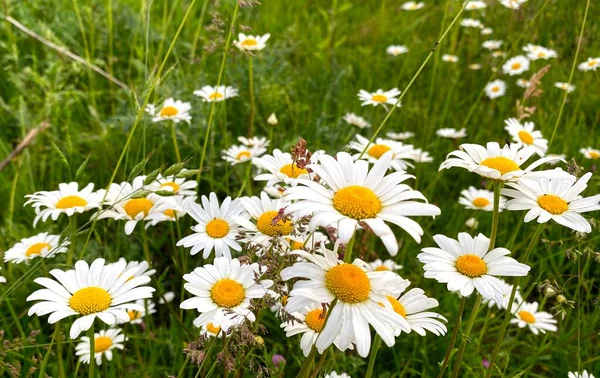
(272, 120)
(472, 223)
(561, 298)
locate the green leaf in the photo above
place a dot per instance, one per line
(82, 166)
(152, 176)
(174, 169)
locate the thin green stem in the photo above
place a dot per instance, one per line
(92, 337)
(373, 356)
(174, 137)
(252, 104)
(47, 356)
(463, 300)
(466, 335)
(349, 247)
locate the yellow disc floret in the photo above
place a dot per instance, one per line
(379, 98)
(525, 137)
(553, 204)
(249, 42)
(173, 185)
(315, 319)
(378, 150)
(102, 343)
(215, 96)
(292, 170)
(501, 164)
(243, 155)
(138, 205)
(471, 266)
(397, 306)
(90, 300)
(37, 249)
(217, 228)
(266, 225)
(69, 202)
(168, 111)
(212, 329)
(348, 283)
(527, 317)
(227, 293)
(357, 202)
(480, 202)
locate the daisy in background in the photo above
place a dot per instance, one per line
(104, 343)
(208, 330)
(420, 156)
(523, 134)
(281, 168)
(379, 97)
(357, 195)
(251, 42)
(486, 31)
(400, 136)
(591, 64)
(324, 278)
(274, 191)
(471, 23)
(497, 54)
(535, 52)
(169, 209)
(41, 245)
(222, 292)
(396, 50)
(412, 5)
(90, 291)
(379, 265)
(503, 305)
(569, 88)
(501, 164)
(553, 198)
(466, 265)
(355, 120)
(255, 142)
(449, 58)
(216, 94)
(172, 110)
(241, 154)
(215, 228)
(474, 5)
(451, 133)
(495, 89)
(179, 186)
(512, 4)
(475, 66)
(523, 83)
(479, 199)
(492, 45)
(68, 199)
(527, 315)
(143, 268)
(590, 153)
(136, 317)
(516, 65)
(583, 374)
(374, 151)
(334, 374)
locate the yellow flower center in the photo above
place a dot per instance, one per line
(348, 283)
(90, 300)
(553, 204)
(227, 293)
(70, 202)
(381, 268)
(501, 164)
(315, 319)
(243, 155)
(170, 213)
(397, 306)
(379, 98)
(217, 228)
(212, 329)
(102, 343)
(36, 249)
(495, 89)
(541, 54)
(292, 170)
(266, 226)
(481, 202)
(168, 111)
(296, 245)
(357, 202)
(174, 186)
(516, 66)
(525, 137)
(471, 266)
(284, 299)
(215, 96)
(249, 42)
(138, 205)
(594, 154)
(378, 150)
(527, 317)
(592, 63)
(133, 315)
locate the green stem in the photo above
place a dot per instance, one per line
(349, 247)
(92, 337)
(453, 339)
(252, 104)
(174, 137)
(463, 344)
(508, 314)
(59, 356)
(373, 356)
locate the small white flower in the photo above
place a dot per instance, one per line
(412, 5)
(355, 120)
(216, 94)
(374, 151)
(241, 154)
(472, 223)
(400, 136)
(512, 4)
(591, 64)
(516, 65)
(471, 23)
(251, 42)
(449, 58)
(272, 120)
(523, 83)
(388, 264)
(452, 133)
(174, 110)
(255, 142)
(569, 88)
(396, 50)
(420, 156)
(535, 52)
(486, 31)
(524, 134)
(495, 89)
(379, 97)
(492, 44)
(583, 374)
(104, 343)
(41, 245)
(281, 168)
(476, 4)
(590, 153)
(527, 315)
(475, 66)
(479, 199)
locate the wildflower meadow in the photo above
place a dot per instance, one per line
(289, 188)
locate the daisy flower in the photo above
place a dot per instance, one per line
(281, 168)
(374, 151)
(355, 193)
(325, 278)
(512, 4)
(222, 292)
(590, 153)
(569, 88)
(527, 315)
(523, 83)
(379, 97)
(104, 343)
(449, 58)
(553, 198)
(355, 120)
(503, 305)
(412, 5)
(208, 330)
(68, 199)
(466, 265)
(471, 23)
(475, 66)
(495, 89)
(174, 110)
(216, 227)
(412, 306)
(90, 291)
(400, 136)
(142, 267)
(216, 94)
(583, 374)
(502, 164)
(256, 142)
(241, 154)
(486, 31)
(492, 45)
(535, 52)
(523, 134)
(178, 186)
(591, 64)
(41, 245)
(479, 199)
(498, 54)
(452, 133)
(396, 50)
(516, 65)
(420, 156)
(334, 374)
(169, 209)
(472, 223)
(135, 317)
(474, 5)
(274, 191)
(308, 240)
(379, 265)
(251, 42)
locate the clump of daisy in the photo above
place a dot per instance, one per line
(379, 97)
(479, 199)
(492, 44)
(569, 88)
(104, 344)
(251, 42)
(495, 89)
(516, 65)
(241, 154)
(412, 5)
(396, 50)
(536, 52)
(172, 110)
(42, 245)
(216, 94)
(591, 64)
(471, 23)
(523, 134)
(374, 151)
(379, 265)
(449, 58)
(513, 4)
(137, 317)
(254, 142)
(590, 153)
(451, 133)
(527, 315)
(356, 120)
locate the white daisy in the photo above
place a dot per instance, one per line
(516, 65)
(502, 164)
(412, 306)
(420, 156)
(538, 321)
(472, 223)
(486, 31)
(334, 374)
(179, 186)
(535, 52)
(497, 54)
(41, 245)
(449, 58)
(503, 305)
(466, 265)
(512, 4)
(396, 50)
(216, 227)
(476, 4)
(355, 120)
(583, 374)
(325, 278)
(452, 133)
(255, 142)
(569, 88)
(208, 330)
(590, 153)
(400, 136)
(379, 265)
(471, 23)
(492, 45)
(68, 199)
(374, 151)
(412, 5)
(591, 64)
(308, 240)
(222, 292)
(136, 317)
(281, 168)
(174, 110)
(523, 134)
(474, 66)
(241, 154)
(479, 199)
(523, 83)
(90, 291)
(553, 198)
(216, 94)
(495, 89)
(143, 268)
(251, 42)
(379, 97)
(104, 343)
(356, 194)
(274, 191)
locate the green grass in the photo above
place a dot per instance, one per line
(321, 53)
